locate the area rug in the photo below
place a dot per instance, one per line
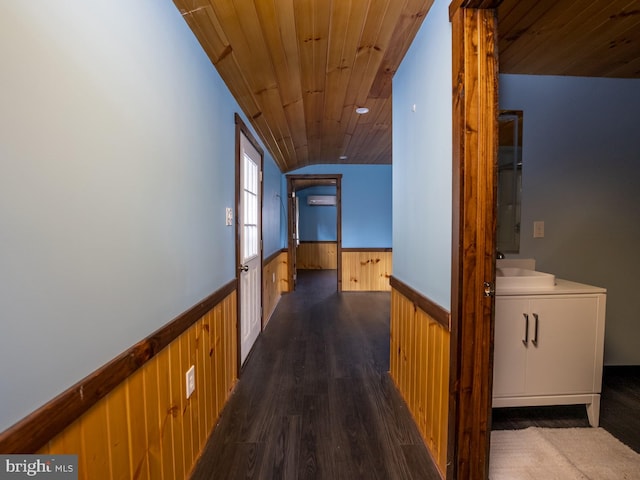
(562, 454)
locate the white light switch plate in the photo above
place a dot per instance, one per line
(538, 229)
(229, 217)
(191, 380)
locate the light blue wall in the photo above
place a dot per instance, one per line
(422, 165)
(366, 203)
(317, 223)
(117, 161)
(581, 176)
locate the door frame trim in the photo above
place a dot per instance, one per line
(242, 129)
(314, 180)
(475, 132)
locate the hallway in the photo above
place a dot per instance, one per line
(315, 400)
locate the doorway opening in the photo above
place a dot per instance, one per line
(315, 225)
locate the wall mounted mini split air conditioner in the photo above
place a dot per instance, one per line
(318, 200)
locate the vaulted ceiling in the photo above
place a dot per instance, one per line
(300, 68)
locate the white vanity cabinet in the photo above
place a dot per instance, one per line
(548, 347)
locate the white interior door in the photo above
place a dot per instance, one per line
(250, 256)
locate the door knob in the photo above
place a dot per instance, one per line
(244, 268)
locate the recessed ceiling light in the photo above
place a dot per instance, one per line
(362, 110)
(343, 157)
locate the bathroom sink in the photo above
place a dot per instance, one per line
(513, 278)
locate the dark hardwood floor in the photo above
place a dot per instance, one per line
(620, 404)
(314, 400)
(619, 409)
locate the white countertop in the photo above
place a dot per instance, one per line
(562, 287)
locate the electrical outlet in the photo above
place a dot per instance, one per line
(191, 380)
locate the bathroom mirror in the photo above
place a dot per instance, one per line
(509, 181)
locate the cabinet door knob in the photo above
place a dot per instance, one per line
(535, 331)
(525, 340)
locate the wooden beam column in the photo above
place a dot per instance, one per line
(475, 78)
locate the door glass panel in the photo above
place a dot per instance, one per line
(250, 201)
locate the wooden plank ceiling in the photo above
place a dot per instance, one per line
(299, 68)
(590, 38)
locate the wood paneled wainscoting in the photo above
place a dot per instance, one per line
(317, 256)
(419, 364)
(275, 282)
(366, 269)
(131, 418)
